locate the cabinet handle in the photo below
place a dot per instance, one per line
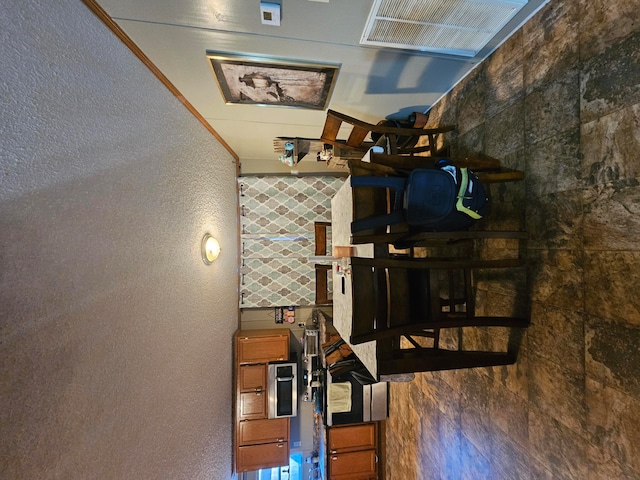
(280, 445)
(281, 439)
(334, 458)
(334, 451)
(376, 458)
(258, 391)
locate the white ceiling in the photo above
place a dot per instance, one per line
(372, 83)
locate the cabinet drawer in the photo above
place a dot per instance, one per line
(353, 465)
(266, 455)
(263, 431)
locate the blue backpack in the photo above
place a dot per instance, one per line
(445, 198)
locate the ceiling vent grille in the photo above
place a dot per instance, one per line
(454, 27)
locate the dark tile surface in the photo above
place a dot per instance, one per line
(609, 81)
(561, 101)
(551, 43)
(504, 74)
(553, 108)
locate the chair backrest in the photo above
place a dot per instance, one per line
(320, 237)
(387, 136)
(358, 134)
(387, 300)
(488, 170)
(321, 271)
(408, 333)
(404, 297)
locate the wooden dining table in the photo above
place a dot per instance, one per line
(341, 217)
(362, 202)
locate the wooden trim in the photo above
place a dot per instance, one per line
(115, 28)
(240, 249)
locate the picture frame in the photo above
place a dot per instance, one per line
(257, 80)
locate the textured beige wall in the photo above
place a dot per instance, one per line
(115, 338)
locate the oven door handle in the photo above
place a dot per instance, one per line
(284, 379)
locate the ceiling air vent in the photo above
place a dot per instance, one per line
(454, 27)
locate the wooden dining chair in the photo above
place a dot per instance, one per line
(487, 169)
(322, 271)
(389, 137)
(396, 299)
(400, 234)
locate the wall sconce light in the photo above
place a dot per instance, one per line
(210, 249)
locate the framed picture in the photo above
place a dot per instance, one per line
(253, 80)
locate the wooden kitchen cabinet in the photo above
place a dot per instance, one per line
(359, 465)
(347, 438)
(252, 392)
(253, 378)
(252, 405)
(252, 432)
(260, 442)
(353, 451)
(264, 455)
(263, 346)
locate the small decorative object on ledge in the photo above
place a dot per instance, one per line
(289, 156)
(285, 314)
(334, 157)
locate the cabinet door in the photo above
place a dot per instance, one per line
(353, 465)
(265, 455)
(352, 437)
(251, 432)
(252, 405)
(253, 378)
(263, 349)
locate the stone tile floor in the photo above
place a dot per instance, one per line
(561, 101)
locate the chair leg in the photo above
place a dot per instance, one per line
(376, 221)
(500, 176)
(437, 263)
(456, 320)
(424, 237)
(436, 360)
(395, 183)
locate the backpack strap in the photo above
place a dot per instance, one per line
(464, 184)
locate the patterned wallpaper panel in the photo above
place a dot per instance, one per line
(277, 215)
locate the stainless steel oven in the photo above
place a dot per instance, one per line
(283, 389)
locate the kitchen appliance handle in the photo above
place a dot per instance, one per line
(284, 379)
